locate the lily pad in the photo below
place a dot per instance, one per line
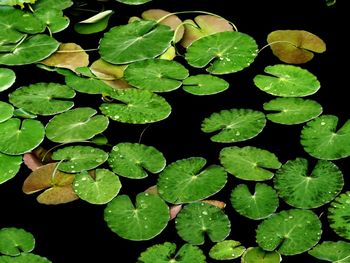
(94, 24)
(287, 81)
(136, 107)
(134, 2)
(43, 98)
(261, 204)
(24, 258)
(166, 252)
(226, 250)
(299, 189)
(14, 241)
(19, 137)
(203, 84)
(258, 255)
(338, 252)
(186, 180)
(136, 41)
(290, 232)
(98, 190)
(161, 75)
(79, 158)
(249, 163)
(52, 19)
(227, 52)
(292, 110)
(234, 125)
(295, 46)
(321, 139)
(338, 215)
(9, 166)
(7, 78)
(54, 4)
(6, 111)
(76, 125)
(133, 160)
(197, 219)
(141, 222)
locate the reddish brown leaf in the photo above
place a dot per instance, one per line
(31, 161)
(216, 203)
(57, 195)
(174, 210)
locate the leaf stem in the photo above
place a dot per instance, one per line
(276, 42)
(75, 51)
(19, 42)
(55, 171)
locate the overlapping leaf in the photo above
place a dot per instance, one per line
(258, 255)
(226, 250)
(203, 84)
(332, 251)
(338, 215)
(14, 241)
(6, 111)
(9, 166)
(94, 24)
(7, 78)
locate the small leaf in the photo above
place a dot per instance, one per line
(257, 255)
(338, 215)
(9, 166)
(338, 252)
(174, 210)
(226, 250)
(53, 4)
(7, 78)
(31, 161)
(52, 18)
(24, 258)
(331, 2)
(14, 241)
(203, 84)
(134, 2)
(94, 24)
(6, 111)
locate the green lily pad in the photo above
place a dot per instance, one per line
(9, 166)
(22, 113)
(226, 250)
(7, 78)
(43, 98)
(136, 41)
(14, 241)
(99, 190)
(136, 107)
(299, 189)
(186, 180)
(31, 50)
(53, 19)
(261, 204)
(94, 24)
(166, 252)
(20, 137)
(76, 125)
(143, 222)
(134, 2)
(227, 52)
(161, 75)
(234, 125)
(338, 215)
(292, 110)
(249, 163)
(291, 232)
(133, 160)
(321, 140)
(54, 4)
(338, 252)
(24, 258)
(6, 111)
(203, 84)
(287, 81)
(79, 158)
(197, 219)
(257, 255)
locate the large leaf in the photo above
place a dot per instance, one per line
(76, 125)
(24, 258)
(227, 52)
(300, 189)
(290, 232)
(203, 84)
(19, 137)
(227, 249)
(9, 166)
(43, 98)
(197, 219)
(287, 81)
(14, 241)
(6, 111)
(258, 255)
(338, 252)
(141, 222)
(321, 139)
(186, 181)
(52, 19)
(249, 163)
(234, 125)
(94, 24)
(338, 215)
(136, 41)
(7, 78)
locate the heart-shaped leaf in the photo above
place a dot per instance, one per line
(7, 78)
(203, 84)
(24, 258)
(52, 19)
(258, 255)
(226, 250)
(338, 215)
(9, 166)
(94, 24)
(338, 252)
(14, 241)
(6, 111)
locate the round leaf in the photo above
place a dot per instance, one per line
(143, 222)
(332, 251)
(6, 111)
(7, 78)
(52, 18)
(291, 232)
(226, 250)
(9, 166)
(14, 241)
(24, 258)
(338, 215)
(204, 85)
(257, 255)
(186, 181)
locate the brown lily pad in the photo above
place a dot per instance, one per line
(216, 203)
(57, 195)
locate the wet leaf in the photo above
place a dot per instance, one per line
(257, 255)
(14, 241)
(226, 250)
(7, 78)
(9, 166)
(338, 252)
(338, 215)
(203, 84)
(52, 19)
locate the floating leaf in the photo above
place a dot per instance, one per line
(43, 98)
(299, 189)
(14, 241)
(295, 46)
(7, 78)
(94, 24)
(166, 252)
(24, 258)
(249, 163)
(174, 210)
(52, 4)
(226, 250)
(134, 2)
(31, 161)
(76, 125)
(136, 107)
(9, 166)
(321, 139)
(79, 158)
(161, 75)
(287, 81)
(234, 125)
(6, 111)
(186, 181)
(291, 232)
(143, 222)
(52, 18)
(260, 205)
(338, 215)
(257, 255)
(332, 251)
(292, 110)
(21, 113)
(19, 137)
(17, 2)
(197, 219)
(227, 52)
(136, 41)
(133, 160)
(203, 84)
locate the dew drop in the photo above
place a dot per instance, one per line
(205, 213)
(10, 171)
(323, 123)
(146, 227)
